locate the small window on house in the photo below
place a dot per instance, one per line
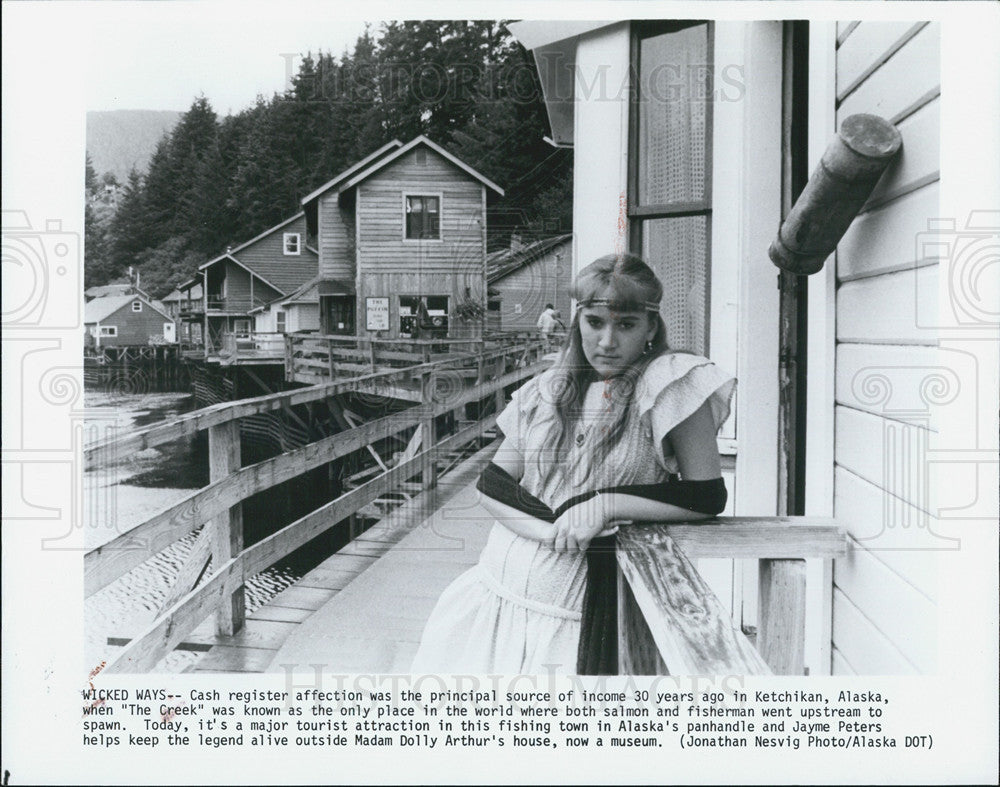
(137, 306)
(279, 320)
(109, 330)
(292, 243)
(423, 217)
(421, 156)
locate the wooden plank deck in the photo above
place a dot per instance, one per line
(363, 608)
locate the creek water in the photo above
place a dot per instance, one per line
(128, 491)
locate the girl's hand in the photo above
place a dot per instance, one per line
(580, 524)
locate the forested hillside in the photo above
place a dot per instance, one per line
(214, 182)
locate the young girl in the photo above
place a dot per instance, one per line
(597, 440)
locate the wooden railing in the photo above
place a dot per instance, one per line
(313, 358)
(218, 506)
(255, 344)
(670, 622)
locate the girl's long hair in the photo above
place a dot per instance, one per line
(628, 284)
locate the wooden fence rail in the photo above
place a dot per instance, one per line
(670, 622)
(111, 449)
(218, 506)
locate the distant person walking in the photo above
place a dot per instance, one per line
(546, 324)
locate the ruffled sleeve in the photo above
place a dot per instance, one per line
(518, 416)
(673, 387)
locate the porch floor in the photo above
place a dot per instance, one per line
(363, 609)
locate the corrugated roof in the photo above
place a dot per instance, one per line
(104, 290)
(503, 263)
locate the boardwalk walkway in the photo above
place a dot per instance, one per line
(363, 609)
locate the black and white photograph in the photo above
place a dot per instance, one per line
(446, 394)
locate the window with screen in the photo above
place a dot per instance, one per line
(669, 201)
(423, 217)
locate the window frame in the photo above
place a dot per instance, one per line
(297, 236)
(280, 321)
(638, 214)
(105, 331)
(136, 303)
(439, 196)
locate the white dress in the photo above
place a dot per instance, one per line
(518, 610)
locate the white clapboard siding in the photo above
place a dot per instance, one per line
(902, 537)
(885, 240)
(839, 665)
(905, 81)
(903, 614)
(918, 163)
(886, 453)
(897, 308)
(867, 649)
(868, 47)
(909, 383)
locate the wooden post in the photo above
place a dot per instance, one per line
(329, 358)
(289, 365)
(428, 476)
(227, 528)
(781, 625)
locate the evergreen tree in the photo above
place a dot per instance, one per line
(130, 226)
(467, 85)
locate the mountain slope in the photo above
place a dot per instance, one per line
(120, 139)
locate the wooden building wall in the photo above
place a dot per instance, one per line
(240, 294)
(525, 292)
(391, 266)
(302, 317)
(134, 328)
(336, 239)
(884, 614)
(271, 247)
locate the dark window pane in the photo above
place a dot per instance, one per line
(423, 217)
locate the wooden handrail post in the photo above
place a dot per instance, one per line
(781, 625)
(227, 527)
(289, 363)
(500, 400)
(428, 477)
(329, 358)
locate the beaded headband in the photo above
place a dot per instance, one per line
(650, 306)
